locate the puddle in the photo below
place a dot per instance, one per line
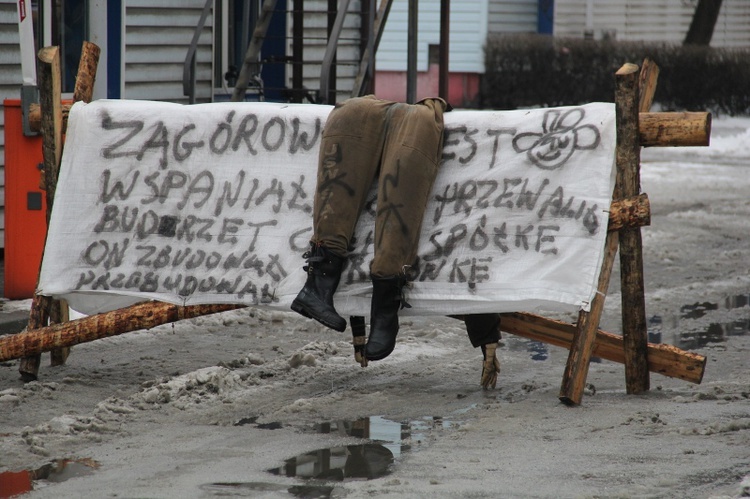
(13, 483)
(536, 349)
(692, 333)
(388, 440)
(254, 489)
(274, 425)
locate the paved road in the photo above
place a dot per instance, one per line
(11, 321)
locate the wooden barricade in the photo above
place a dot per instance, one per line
(636, 127)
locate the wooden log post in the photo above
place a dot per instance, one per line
(35, 116)
(630, 212)
(686, 129)
(576, 368)
(582, 344)
(86, 76)
(628, 158)
(58, 313)
(44, 309)
(51, 121)
(647, 79)
(83, 92)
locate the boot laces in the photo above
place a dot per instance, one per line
(313, 256)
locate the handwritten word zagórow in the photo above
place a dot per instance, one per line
(246, 133)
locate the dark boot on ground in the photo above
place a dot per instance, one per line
(386, 302)
(316, 298)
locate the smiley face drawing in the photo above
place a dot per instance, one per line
(560, 137)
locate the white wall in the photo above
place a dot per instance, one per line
(156, 39)
(650, 20)
(512, 16)
(468, 27)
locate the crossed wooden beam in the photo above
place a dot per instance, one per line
(49, 329)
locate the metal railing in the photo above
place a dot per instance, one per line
(188, 68)
(374, 22)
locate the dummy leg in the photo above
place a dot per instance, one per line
(349, 157)
(411, 156)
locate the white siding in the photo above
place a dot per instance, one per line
(512, 16)
(10, 84)
(468, 28)
(651, 20)
(733, 26)
(157, 36)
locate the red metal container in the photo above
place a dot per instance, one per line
(25, 206)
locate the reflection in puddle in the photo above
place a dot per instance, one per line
(654, 328)
(690, 337)
(388, 440)
(697, 310)
(365, 461)
(538, 350)
(13, 483)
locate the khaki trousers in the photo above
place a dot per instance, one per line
(400, 145)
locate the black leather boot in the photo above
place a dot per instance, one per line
(386, 302)
(316, 298)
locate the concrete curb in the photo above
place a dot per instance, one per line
(13, 322)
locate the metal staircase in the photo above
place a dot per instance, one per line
(328, 55)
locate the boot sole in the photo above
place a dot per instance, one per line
(378, 356)
(301, 309)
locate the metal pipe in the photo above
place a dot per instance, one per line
(332, 16)
(368, 47)
(188, 68)
(298, 44)
(411, 58)
(333, 39)
(361, 85)
(445, 6)
(371, 46)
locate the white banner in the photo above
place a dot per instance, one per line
(212, 204)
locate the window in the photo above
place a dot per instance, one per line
(234, 22)
(64, 24)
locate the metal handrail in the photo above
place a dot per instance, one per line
(333, 41)
(188, 68)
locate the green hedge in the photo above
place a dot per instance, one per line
(537, 70)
